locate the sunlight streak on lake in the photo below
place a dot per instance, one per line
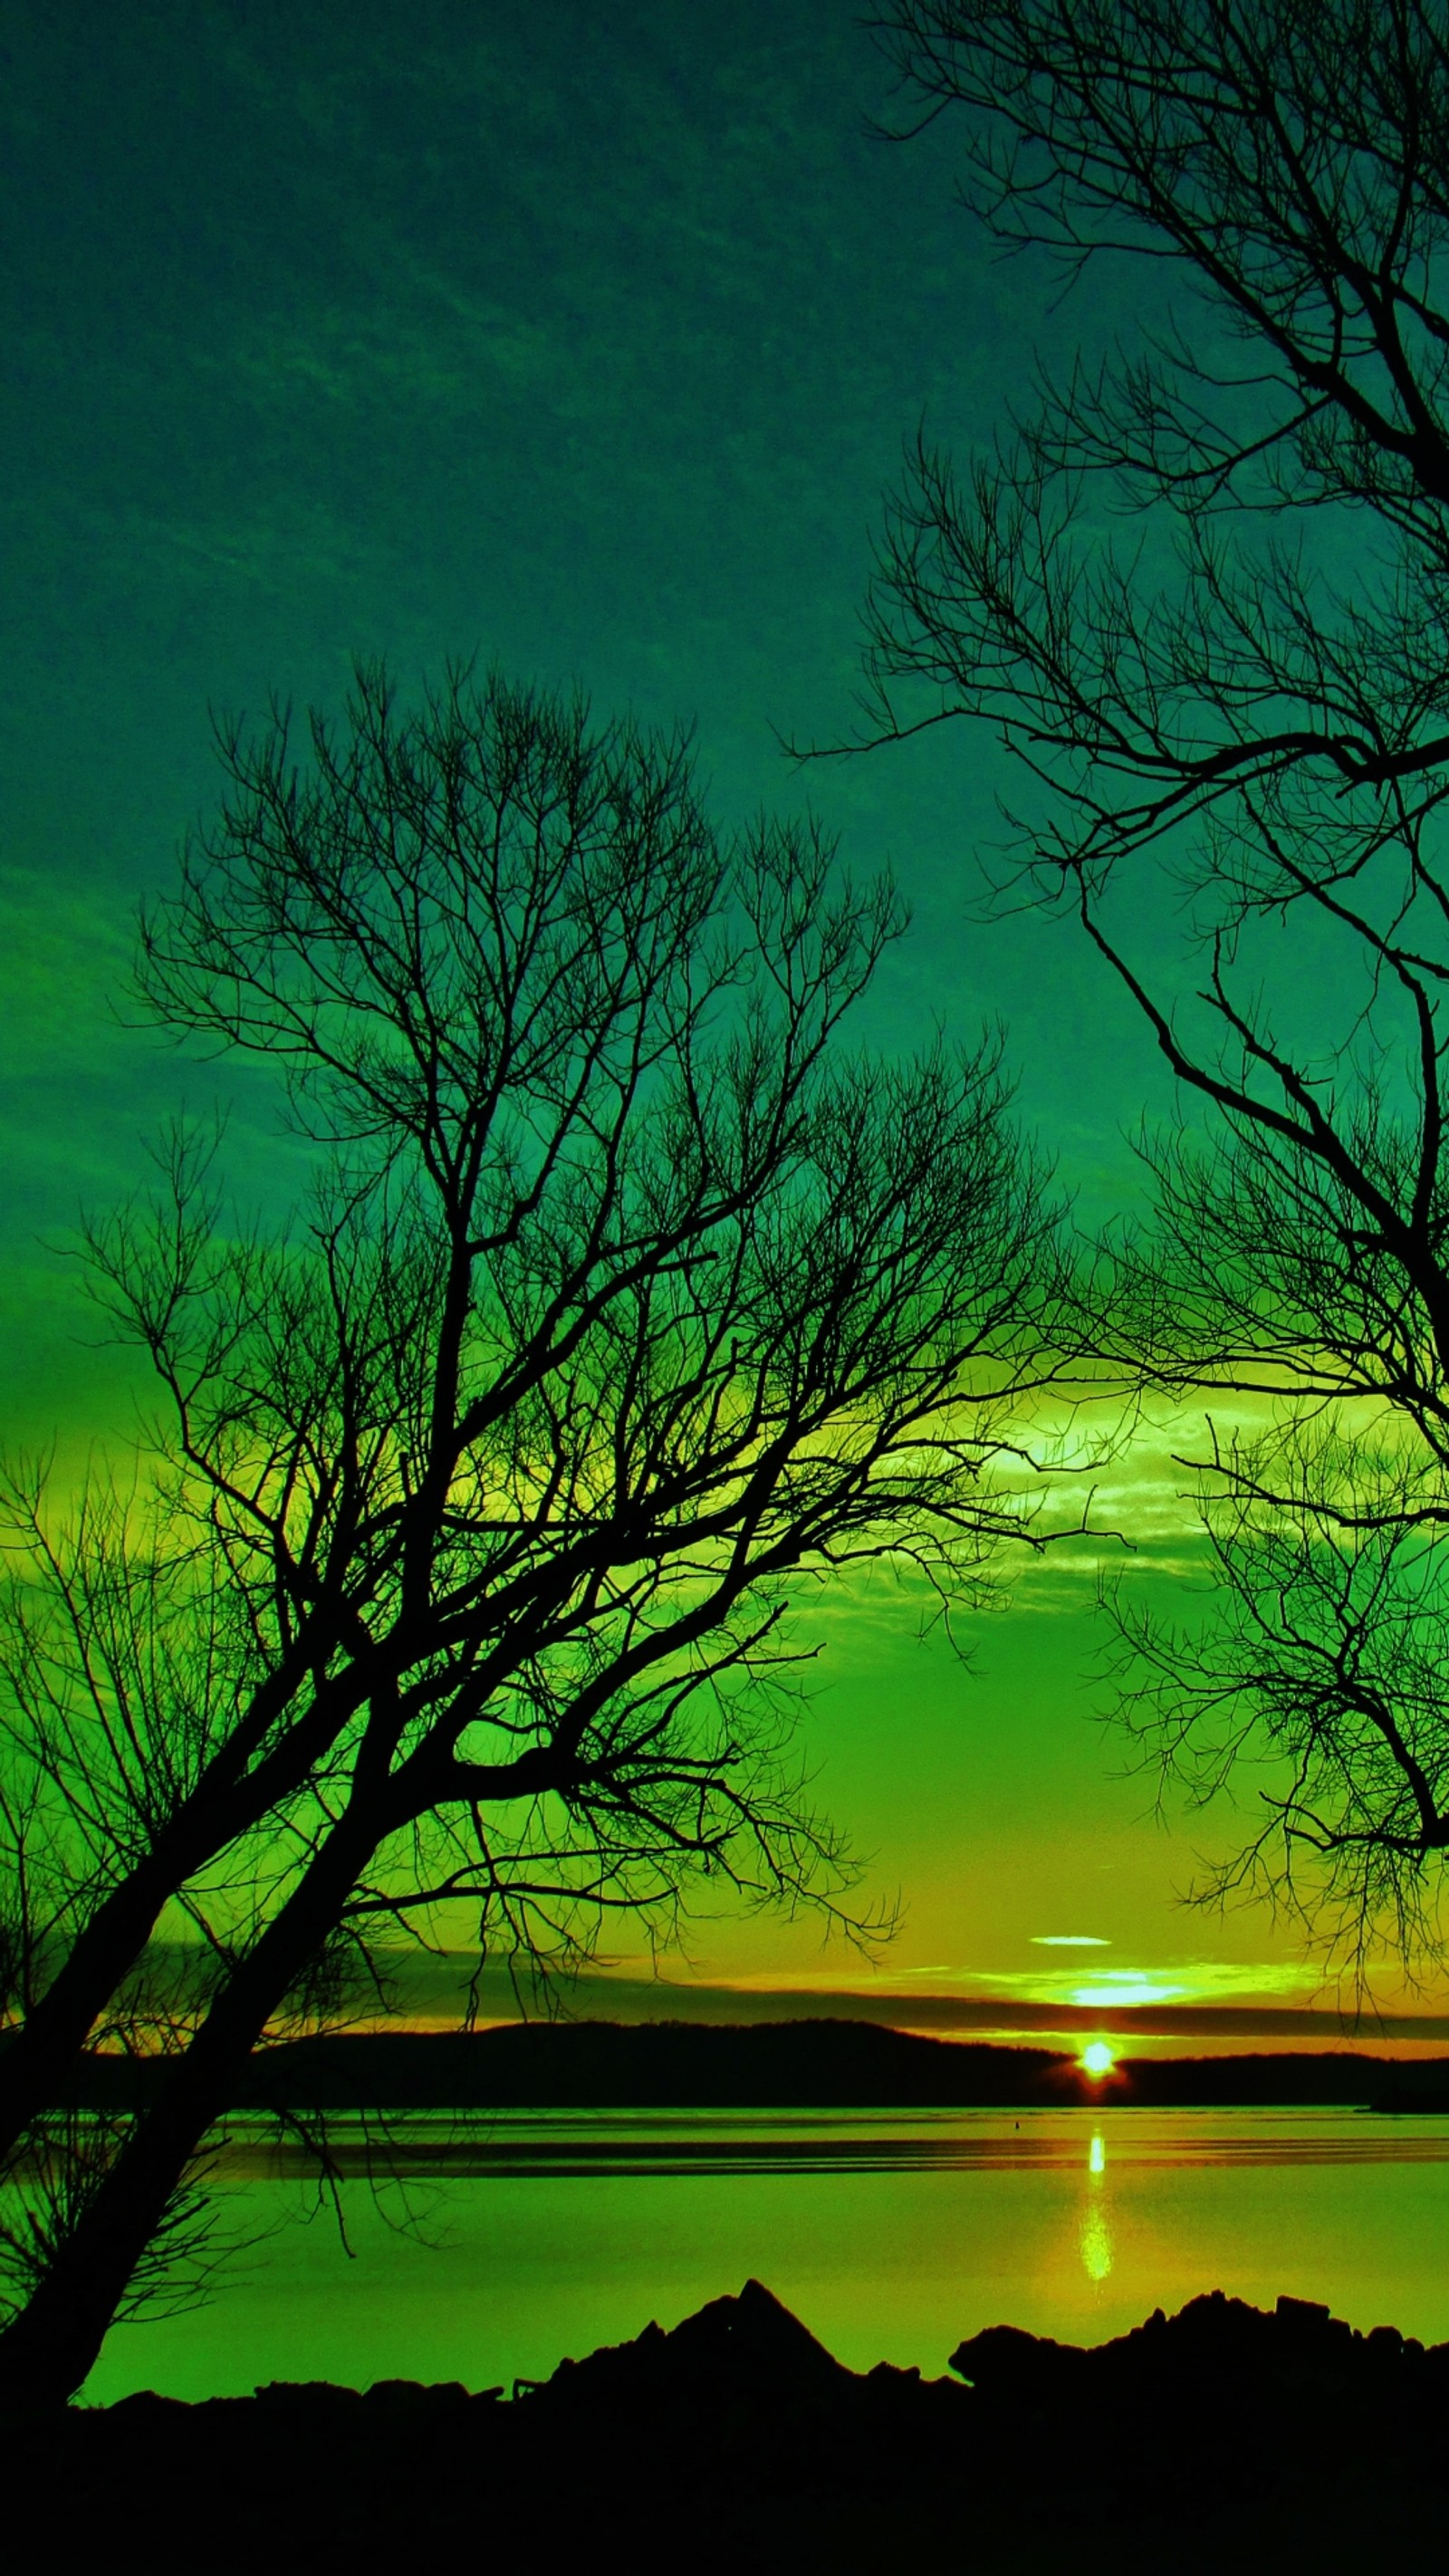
(1096, 2234)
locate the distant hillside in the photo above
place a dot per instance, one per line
(778, 2065)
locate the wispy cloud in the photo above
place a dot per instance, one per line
(432, 1989)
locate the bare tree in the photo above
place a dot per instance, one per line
(1199, 590)
(119, 1673)
(1317, 1667)
(122, 1669)
(628, 1308)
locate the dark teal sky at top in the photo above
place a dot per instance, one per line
(586, 339)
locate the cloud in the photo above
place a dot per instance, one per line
(67, 952)
(442, 347)
(431, 1988)
(1110, 1989)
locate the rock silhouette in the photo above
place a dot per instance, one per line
(1220, 2438)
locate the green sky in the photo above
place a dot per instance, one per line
(587, 338)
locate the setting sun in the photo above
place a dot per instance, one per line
(1097, 2059)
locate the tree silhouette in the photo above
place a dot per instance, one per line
(1242, 688)
(626, 1308)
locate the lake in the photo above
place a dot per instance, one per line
(512, 2240)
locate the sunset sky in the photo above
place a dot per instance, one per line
(585, 340)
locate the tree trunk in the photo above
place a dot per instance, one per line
(36, 2060)
(47, 2351)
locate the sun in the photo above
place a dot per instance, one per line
(1097, 2059)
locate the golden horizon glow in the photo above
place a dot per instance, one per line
(1118, 1993)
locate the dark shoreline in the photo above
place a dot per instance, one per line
(1222, 2438)
(807, 2064)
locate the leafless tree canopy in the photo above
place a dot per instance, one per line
(1199, 589)
(625, 1294)
(628, 1306)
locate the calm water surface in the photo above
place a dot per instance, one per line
(510, 2242)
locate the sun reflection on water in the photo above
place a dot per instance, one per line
(1096, 2238)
